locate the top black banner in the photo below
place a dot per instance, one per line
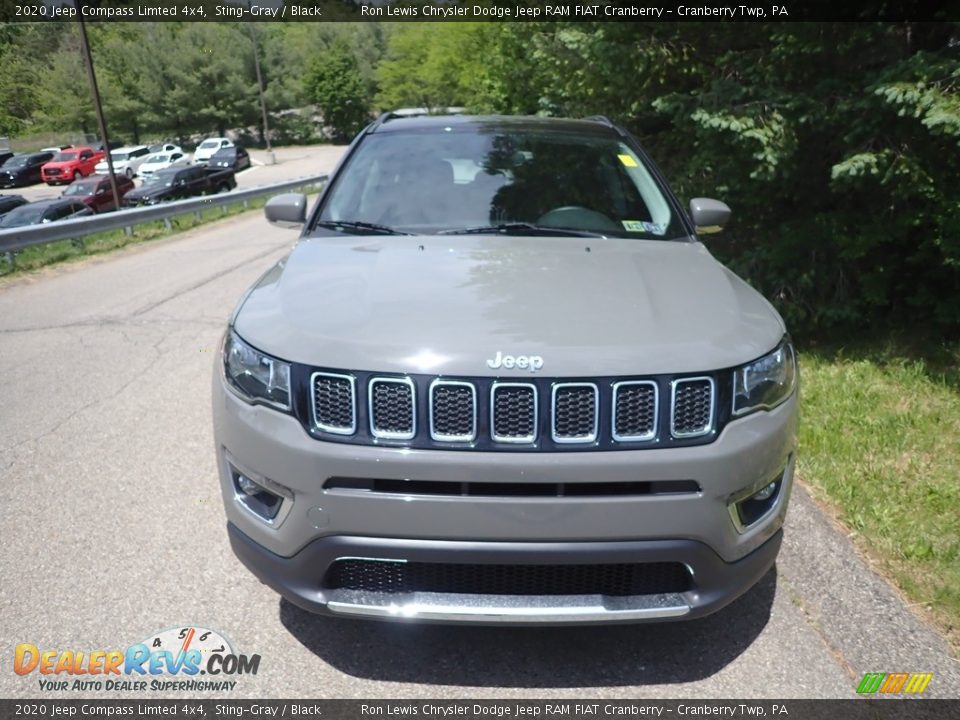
(475, 10)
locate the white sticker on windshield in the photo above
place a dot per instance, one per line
(643, 226)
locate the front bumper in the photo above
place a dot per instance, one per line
(298, 578)
(316, 526)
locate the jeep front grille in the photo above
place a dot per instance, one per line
(692, 409)
(453, 411)
(392, 408)
(575, 412)
(635, 409)
(334, 403)
(514, 410)
(481, 413)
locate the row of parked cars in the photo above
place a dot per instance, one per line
(58, 166)
(167, 175)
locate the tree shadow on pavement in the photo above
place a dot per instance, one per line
(610, 655)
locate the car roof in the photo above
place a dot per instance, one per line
(127, 148)
(52, 203)
(426, 123)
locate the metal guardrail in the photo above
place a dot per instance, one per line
(14, 239)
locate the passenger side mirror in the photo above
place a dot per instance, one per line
(709, 215)
(287, 210)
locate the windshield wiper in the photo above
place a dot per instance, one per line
(521, 228)
(368, 227)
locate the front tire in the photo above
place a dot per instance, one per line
(129, 173)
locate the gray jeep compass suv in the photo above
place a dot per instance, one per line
(500, 379)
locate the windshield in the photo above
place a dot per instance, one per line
(16, 161)
(119, 156)
(159, 159)
(23, 215)
(476, 176)
(206, 144)
(80, 189)
(63, 157)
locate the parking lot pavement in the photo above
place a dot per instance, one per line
(112, 526)
(286, 163)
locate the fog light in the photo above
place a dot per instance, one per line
(247, 485)
(766, 492)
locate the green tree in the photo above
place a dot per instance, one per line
(335, 84)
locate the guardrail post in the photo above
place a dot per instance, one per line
(167, 224)
(128, 231)
(11, 257)
(77, 243)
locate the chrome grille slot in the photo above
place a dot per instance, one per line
(575, 412)
(334, 409)
(513, 411)
(635, 410)
(453, 411)
(392, 403)
(691, 413)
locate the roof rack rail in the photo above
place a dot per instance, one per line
(413, 112)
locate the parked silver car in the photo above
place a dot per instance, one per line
(501, 379)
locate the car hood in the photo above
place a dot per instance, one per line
(61, 164)
(145, 191)
(445, 305)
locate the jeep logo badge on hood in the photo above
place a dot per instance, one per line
(522, 362)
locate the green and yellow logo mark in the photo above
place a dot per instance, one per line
(894, 683)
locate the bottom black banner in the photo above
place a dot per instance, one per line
(854, 709)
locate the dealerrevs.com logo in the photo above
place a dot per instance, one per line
(187, 658)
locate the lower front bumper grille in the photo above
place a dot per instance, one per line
(616, 580)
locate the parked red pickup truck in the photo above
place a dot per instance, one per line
(68, 165)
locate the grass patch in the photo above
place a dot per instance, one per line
(40, 256)
(880, 442)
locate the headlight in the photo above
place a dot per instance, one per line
(255, 375)
(765, 383)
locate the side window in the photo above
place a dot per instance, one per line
(176, 156)
(224, 143)
(85, 155)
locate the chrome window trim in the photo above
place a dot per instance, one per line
(705, 430)
(334, 429)
(592, 437)
(656, 412)
(526, 439)
(438, 437)
(386, 434)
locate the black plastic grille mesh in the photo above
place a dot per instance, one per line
(453, 411)
(575, 412)
(514, 411)
(333, 402)
(392, 407)
(692, 406)
(613, 579)
(635, 410)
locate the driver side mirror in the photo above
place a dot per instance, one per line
(709, 215)
(287, 210)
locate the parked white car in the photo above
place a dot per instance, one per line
(165, 148)
(126, 160)
(208, 147)
(162, 161)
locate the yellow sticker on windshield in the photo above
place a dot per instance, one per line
(627, 160)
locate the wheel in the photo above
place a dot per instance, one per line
(223, 188)
(129, 173)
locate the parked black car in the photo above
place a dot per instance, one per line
(44, 211)
(235, 158)
(176, 183)
(10, 202)
(23, 169)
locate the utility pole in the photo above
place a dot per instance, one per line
(263, 102)
(95, 91)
